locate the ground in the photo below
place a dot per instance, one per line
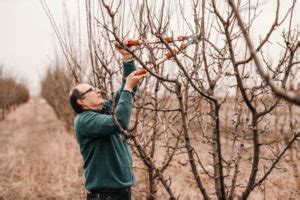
(38, 158)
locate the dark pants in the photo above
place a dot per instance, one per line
(107, 194)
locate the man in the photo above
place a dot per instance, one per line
(106, 154)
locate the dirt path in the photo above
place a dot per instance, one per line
(38, 159)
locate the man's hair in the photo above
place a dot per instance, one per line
(75, 94)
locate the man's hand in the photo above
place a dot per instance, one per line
(140, 71)
(133, 80)
(125, 54)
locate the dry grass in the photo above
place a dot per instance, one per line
(39, 159)
(281, 184)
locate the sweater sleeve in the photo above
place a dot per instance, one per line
(93, 124)
(128, 68)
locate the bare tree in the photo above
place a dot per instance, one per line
(12, 92)
(202, 90)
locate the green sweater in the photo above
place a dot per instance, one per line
(106, 155)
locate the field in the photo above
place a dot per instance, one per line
(39, 159)
(215, 116)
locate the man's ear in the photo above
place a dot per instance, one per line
(80, 101)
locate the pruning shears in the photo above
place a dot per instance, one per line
(185, 42)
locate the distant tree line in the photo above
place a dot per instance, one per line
(12, 93)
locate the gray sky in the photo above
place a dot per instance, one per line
(26, 38)
(27, 41)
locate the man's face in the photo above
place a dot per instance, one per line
(91, 98)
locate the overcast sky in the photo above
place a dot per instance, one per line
(27, 39)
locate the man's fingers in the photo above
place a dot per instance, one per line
(134, 76)
(140, 71)
(141, 76)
